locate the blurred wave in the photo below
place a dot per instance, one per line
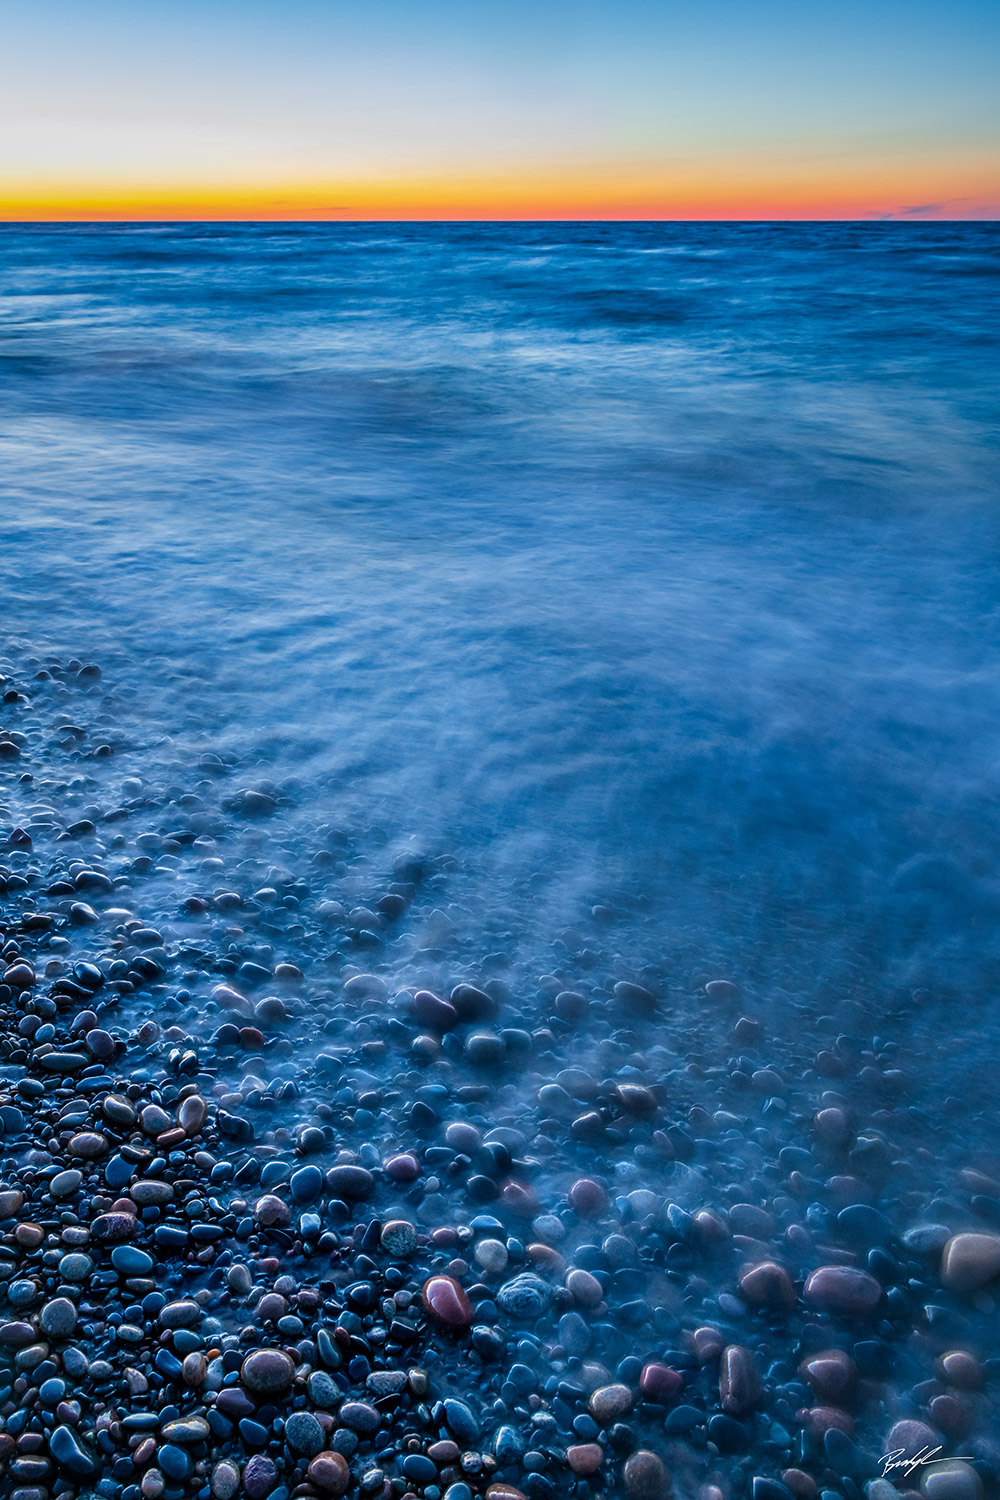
(649, 564)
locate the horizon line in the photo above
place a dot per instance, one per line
(873, 218)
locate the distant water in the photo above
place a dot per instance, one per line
(646, 565)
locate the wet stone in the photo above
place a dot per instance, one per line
(100, 1044)
(419, 1470)
(192, 1114)
(492, 1256)
(350, 1183)
(508, 1446)
(75, 1267)
(118, 1111)
(58, 1318)
(323, 1390)
(154, 1120)
(962, 1370)
(113, 1227)
(447, 1301)
(359, 1417)
(402, 1168)
(843, 1289)
(238, 1279)
(970, 1262)
(739, 1380)
(927, 1239)
(128, 1260)
(384, 1383)
(610, 1402)
(585, 1288)
(768, 1285)
(118, 1173)
(950, 1415)
(646, 1477)
(234, 1403)
(151, 1193)
(951, 1480)
(832, 1373)
(910, 1437)
(659, 1383)
(175, 1462)
(304, 1434)
(88, 1144)
(330, 1473)
(182, 1314)
(272, 1212)
(432, 1011)
(267, 1372)
(585, 1459)
(65, 1184)
(461, 1423)
(260, 1477)
(66, 1449)
(398, 1238)
(225, 1481)
(526, 1296)
(575, 1335)
(306, 1184)
(635, 999)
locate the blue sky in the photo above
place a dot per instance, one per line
(113, 101)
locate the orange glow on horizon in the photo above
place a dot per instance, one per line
(743, 191)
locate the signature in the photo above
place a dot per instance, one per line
(898, 1460)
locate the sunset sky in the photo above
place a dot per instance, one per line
(544, 109)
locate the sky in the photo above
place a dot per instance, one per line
(499, 109)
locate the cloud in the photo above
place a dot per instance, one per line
(952, 208)
(913, 210)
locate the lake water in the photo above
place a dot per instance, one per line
(653, 559)
(585, 605)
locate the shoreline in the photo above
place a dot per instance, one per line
(294, 1228)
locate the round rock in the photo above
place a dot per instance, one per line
(951, 1480)
(970, 1262)
(304, 1434)
(447, 1301)
(58, 1318)
(259, 1477)
(398, 1238)
(271, 1212)
(350, 1183)
(329, 1472)
(267, 1372)
(768, 1285)
(526, 1296)
(659, 1383)
(843, 1289)
(609, 1402)
(585, 1458)
(645, 1477)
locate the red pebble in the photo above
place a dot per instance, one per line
(659, 1383)
(819, 1419)
(588, 1198)
(843, 1289)
(950, 1415)
(768, 1285)
(832, 1374)
(402, 1168)
(445, 1300)
(519, 1198)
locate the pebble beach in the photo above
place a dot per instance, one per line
(586, 1148)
